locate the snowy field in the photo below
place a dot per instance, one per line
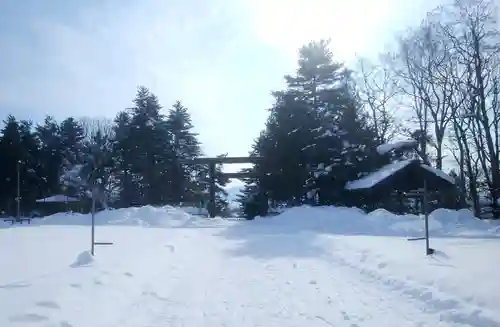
(305, 267)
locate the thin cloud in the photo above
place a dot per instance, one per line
(220, 58)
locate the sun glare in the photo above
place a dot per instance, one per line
(351, 25)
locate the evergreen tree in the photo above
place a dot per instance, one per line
(137, 158)
(72, 136)
(316, 137)
(10, 151)
(19, 154)
(261, 185)
(249, 202)
(146, 147)
(72, 146)
(253, 197)
(30, 168)
(185, 145)
(344, 145)
(287, 135)
(50, 156)
(221, 203)
(126, 178)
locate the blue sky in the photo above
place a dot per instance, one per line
(221, 58)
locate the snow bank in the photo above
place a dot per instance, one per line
(195, 211)
(4, 224)
(146, 216)
(58, 198)
(353, 221)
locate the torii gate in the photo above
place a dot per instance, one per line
(211, 162)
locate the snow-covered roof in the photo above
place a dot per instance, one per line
(439, 173)
(378, 176)
(58, 198)
(387, 147)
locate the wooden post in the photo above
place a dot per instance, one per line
(211, 207)
(428, 250)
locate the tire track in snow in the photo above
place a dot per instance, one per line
(362, 304)
(450, 309)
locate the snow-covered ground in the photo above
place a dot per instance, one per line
(304, 267)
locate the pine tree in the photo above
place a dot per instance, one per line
(72, 146)
(72, 136)
(343, 143)
(287, 135)
(262, 184)
(30, 168)
(10, 151)
(19, 152)
(146, 146)
(221, 203)
(249, 201)
(185, 145)
(316, 137)
(124, 174)
(50, 158)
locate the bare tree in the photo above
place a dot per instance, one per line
(98, 168)
(95, 126)
(462, 146)
(425, 67)
(377, 92)
(474, 34)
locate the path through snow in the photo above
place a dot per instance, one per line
(206, 287)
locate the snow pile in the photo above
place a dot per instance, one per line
(146, 216)
(4, 224)
(353, 221)
(85, 258)
(388, 147)
(195, 211)
(58, 198)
